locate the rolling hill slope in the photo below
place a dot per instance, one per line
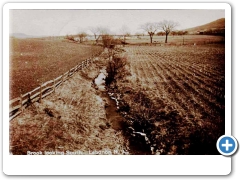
(218, 24)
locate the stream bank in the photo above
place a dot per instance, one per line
(111, 103)
(116, 117)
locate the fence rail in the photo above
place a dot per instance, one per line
(17, 105)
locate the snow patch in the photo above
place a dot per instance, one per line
(100, 80)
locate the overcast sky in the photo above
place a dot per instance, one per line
(62, 22)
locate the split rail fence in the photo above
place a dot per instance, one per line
(17, 105)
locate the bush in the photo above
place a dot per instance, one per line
(115, 69)
(70, 37)
(107, 41)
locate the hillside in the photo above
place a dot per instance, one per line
(218, 24)
(20, 35)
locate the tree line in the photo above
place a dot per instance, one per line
(165, 27)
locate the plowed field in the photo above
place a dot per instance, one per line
(189, 80)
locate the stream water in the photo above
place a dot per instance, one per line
(111, 106)
(115, 119)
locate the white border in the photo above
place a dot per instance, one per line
(114, 165)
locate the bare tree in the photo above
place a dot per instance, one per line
(81, 36)
(125, 32)
(167, 27)
(98, 32)
(95, 32)
(150, 28)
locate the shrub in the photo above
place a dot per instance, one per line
(107, 41)
(115, 69)
(70, 37)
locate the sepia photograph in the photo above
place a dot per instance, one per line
(116, 81)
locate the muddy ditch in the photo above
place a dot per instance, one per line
(116, 117)
(111, 103)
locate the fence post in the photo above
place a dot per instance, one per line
(54, 85)
(68, 74)
(21, 101)
(40, 98)
(62, 77)
(80, 66)
(29, 98)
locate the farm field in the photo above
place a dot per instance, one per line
(35, 61)
(172, 97)
(177, 40)
(187, 87)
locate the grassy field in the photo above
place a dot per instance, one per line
(35, 61)
(177, 40)
(71, 120)
(177, 97)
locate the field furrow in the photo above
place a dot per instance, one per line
(189, 80)
(187, 84)
(166, 89)
(190, 101)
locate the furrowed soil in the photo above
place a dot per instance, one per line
(35, 61)
(73, 120)
(175, 97)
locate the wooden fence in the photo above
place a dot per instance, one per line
(17, 105)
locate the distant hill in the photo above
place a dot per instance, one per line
(218, 24)
(22, 35)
